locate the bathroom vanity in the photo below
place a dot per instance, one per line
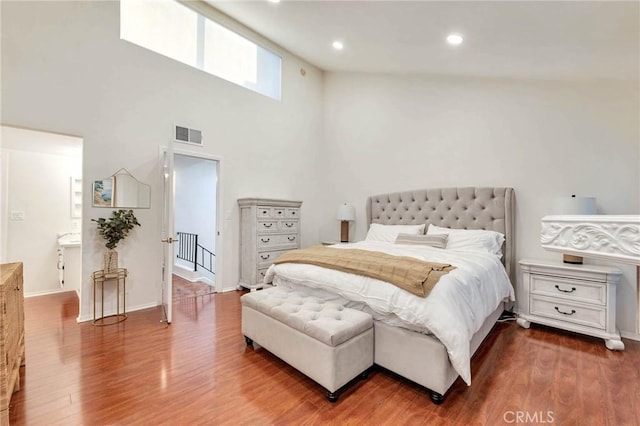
(70, 262)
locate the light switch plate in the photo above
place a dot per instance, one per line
(17, 215)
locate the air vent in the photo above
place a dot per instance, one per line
(187, 135)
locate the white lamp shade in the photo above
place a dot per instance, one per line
(346, 212)
(574, 206)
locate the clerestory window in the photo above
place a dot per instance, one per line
(173, 30)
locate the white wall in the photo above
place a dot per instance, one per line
(38, 172)
(64, 69)
(390, 133)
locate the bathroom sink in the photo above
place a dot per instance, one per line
(70, 240)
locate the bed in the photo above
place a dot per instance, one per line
(432, 352)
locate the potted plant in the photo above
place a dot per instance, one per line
(113, 230)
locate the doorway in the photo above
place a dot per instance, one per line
(192, 260)
(41, 208)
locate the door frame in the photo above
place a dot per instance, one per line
(219, 205)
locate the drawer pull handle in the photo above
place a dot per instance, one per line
(264, 212)
(262, 274)
(265, 240)
(264, 256)
(573, 311)
(289, 225)
(269, 225)
(291, 238)
(280, 212)
(565, 291)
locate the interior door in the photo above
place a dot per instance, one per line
(167, 232)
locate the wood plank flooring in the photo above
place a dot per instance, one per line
(199, 371)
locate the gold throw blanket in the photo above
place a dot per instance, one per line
(413, 275)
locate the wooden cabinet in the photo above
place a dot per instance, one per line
(268, 228)
(11, 334)
(579, 298)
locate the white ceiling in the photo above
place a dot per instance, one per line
(505, 39)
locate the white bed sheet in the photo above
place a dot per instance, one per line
(453, 312)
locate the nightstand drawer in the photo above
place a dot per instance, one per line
(566, 288)
(587, 315)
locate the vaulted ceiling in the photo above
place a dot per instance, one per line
(504, 39)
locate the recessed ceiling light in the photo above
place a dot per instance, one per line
(454, 39)
(338, 45)
(274, 1)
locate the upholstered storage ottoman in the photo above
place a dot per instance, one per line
(323, 339)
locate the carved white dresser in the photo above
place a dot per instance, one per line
(268, 228)
(579, 298)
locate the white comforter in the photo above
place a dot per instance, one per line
(453, 312)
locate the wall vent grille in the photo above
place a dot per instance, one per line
(187, 135)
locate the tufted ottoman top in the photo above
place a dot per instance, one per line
(323, 319)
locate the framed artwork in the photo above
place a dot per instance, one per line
(103, 192)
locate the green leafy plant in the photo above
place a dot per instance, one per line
(116, 227)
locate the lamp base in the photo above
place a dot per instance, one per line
(574, 260)
(344, 231)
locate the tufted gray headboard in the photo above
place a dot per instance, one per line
(461, 208)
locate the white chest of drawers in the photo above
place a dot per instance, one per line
(579, 298)
(268, 228)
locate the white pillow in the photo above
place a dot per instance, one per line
(470, 239)
(389, 233)
(433, 240)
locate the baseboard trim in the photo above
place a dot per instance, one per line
(46, 292)
(631, 336)
(129, 310)
(191, 276)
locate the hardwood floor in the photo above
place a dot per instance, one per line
(199, 371)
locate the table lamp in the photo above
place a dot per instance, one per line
(346, 213)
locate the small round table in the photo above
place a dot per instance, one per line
(99, 279)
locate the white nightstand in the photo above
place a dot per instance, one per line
(579, 298)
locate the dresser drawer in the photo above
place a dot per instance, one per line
(260, 273)
(564, 310)
(569, 289)
(272, 212)
(264, 212)
(266, 241)
(266, 258)
(288, 225)
(292, 213)
(268, 226)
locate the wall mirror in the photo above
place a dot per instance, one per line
(121, 190)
